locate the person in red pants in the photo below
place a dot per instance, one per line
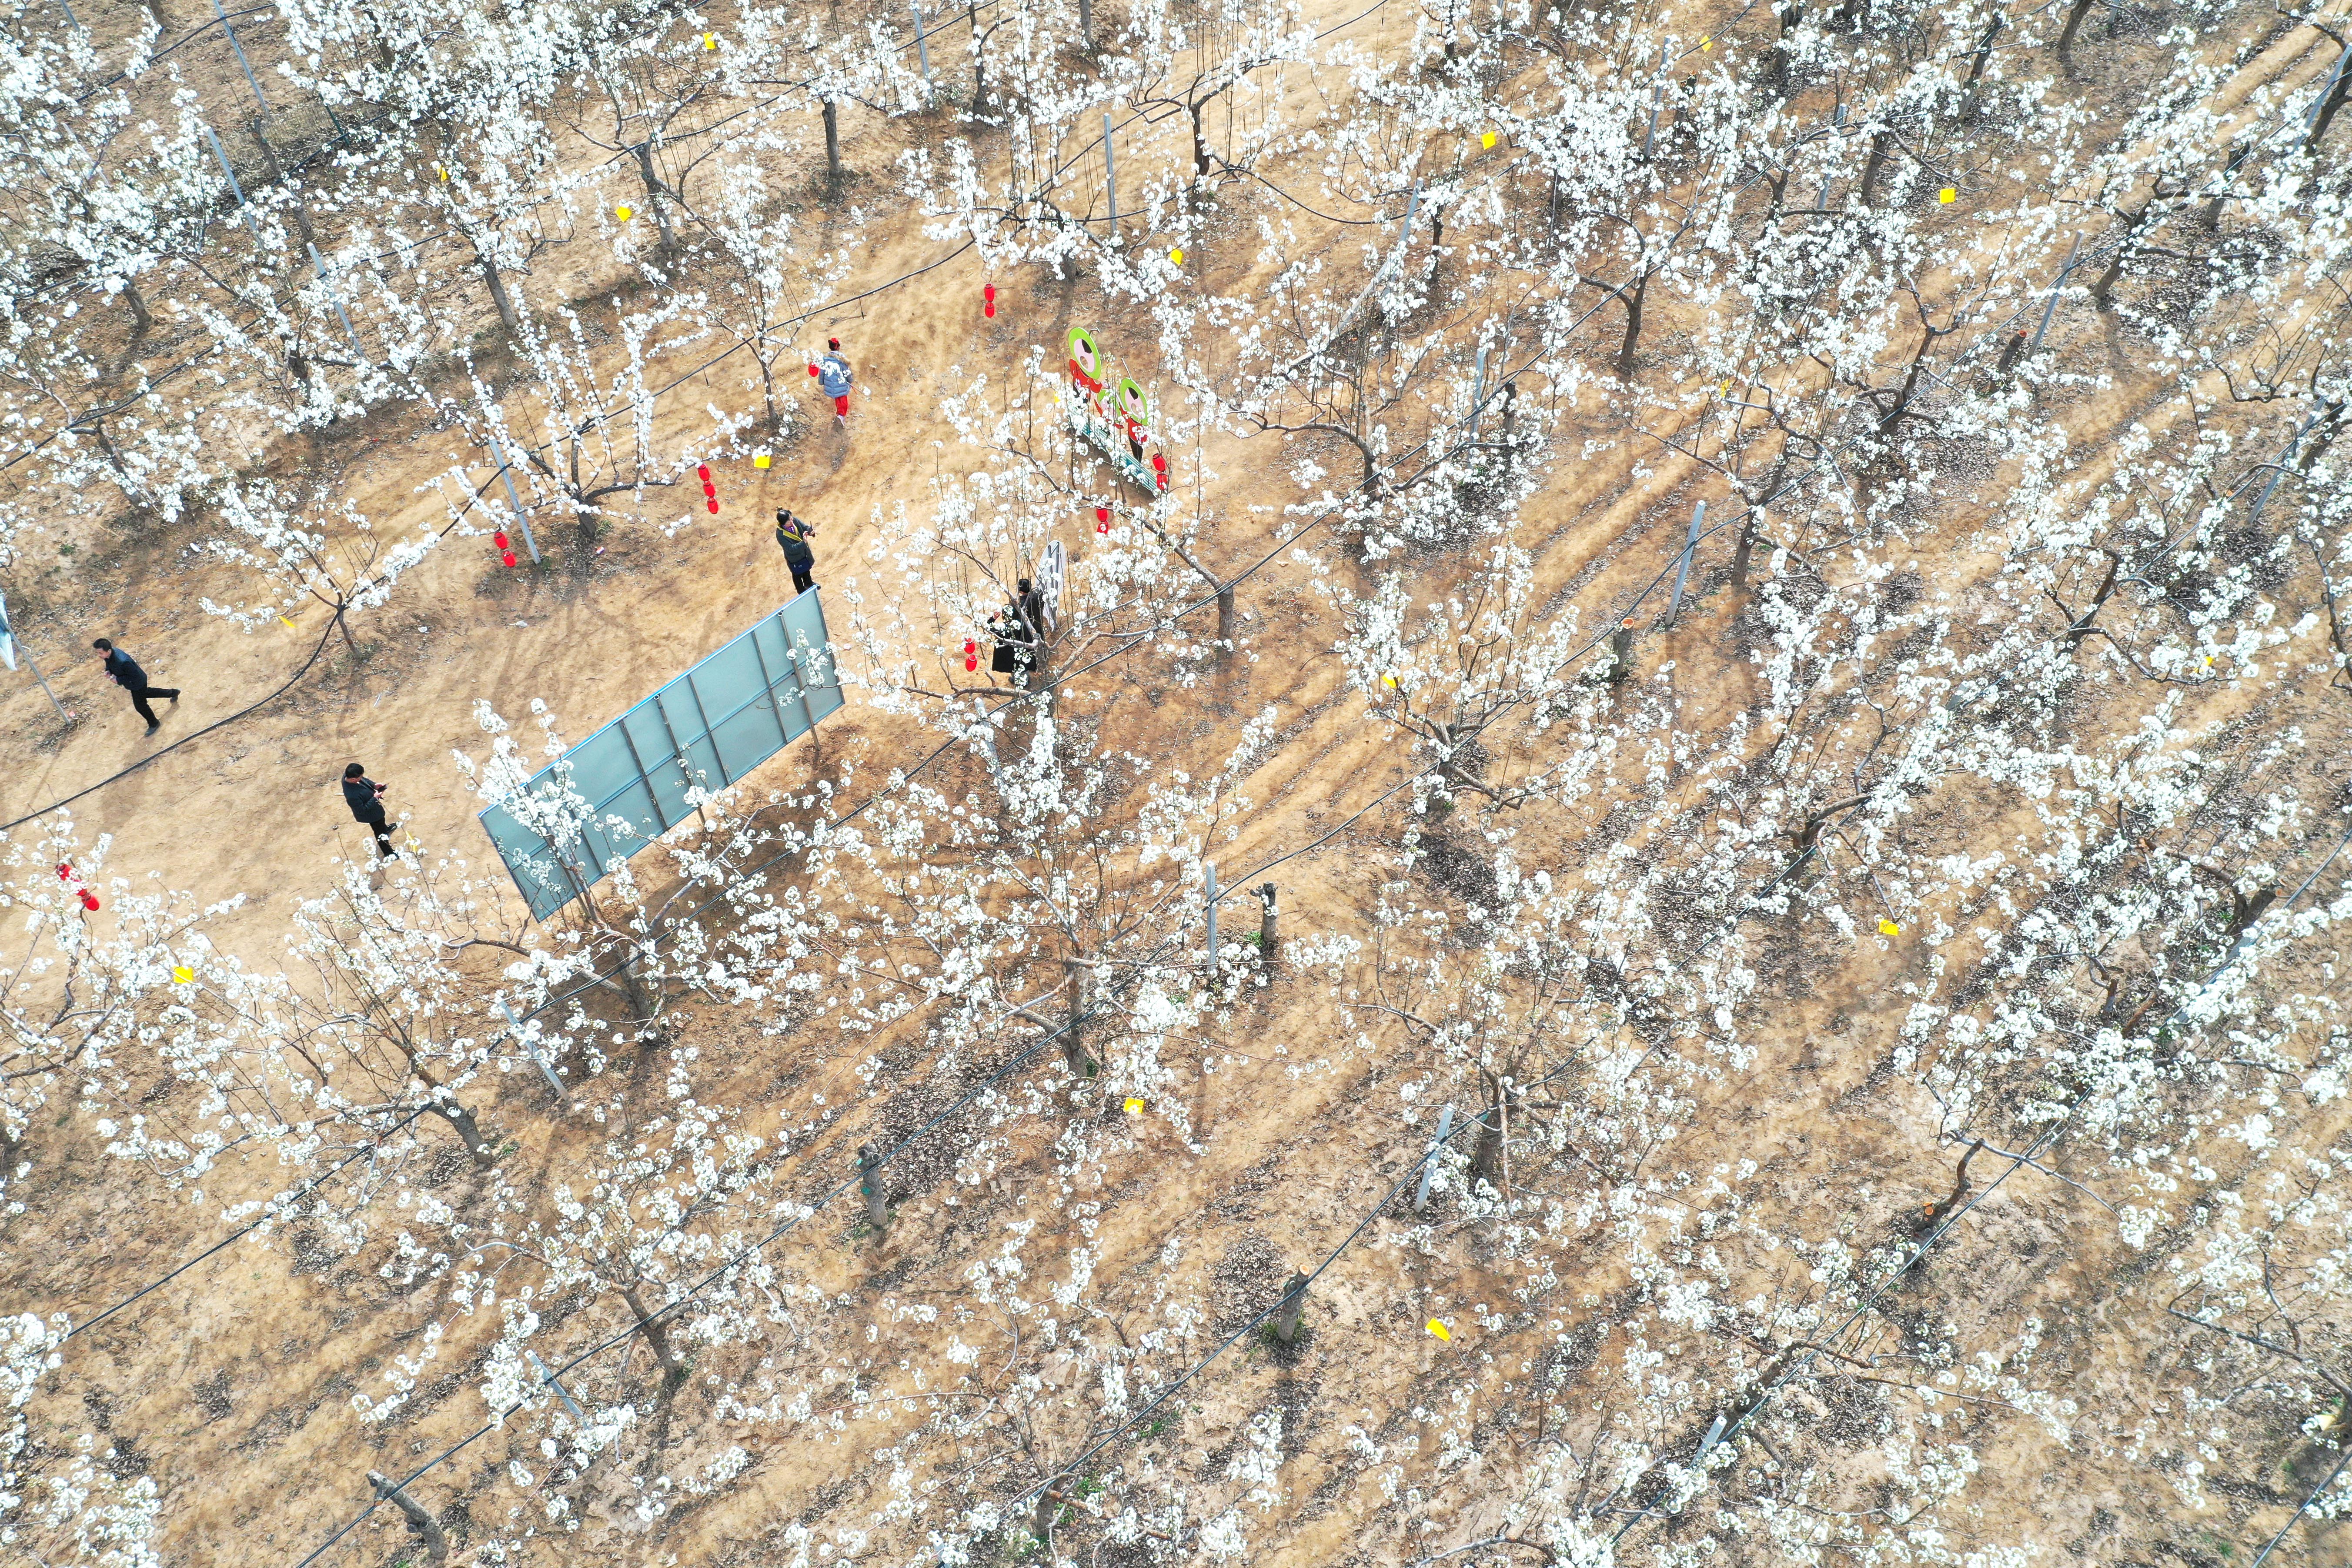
(832, 378)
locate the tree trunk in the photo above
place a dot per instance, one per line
(869, 1183)
(2082, 626)
(2229, 177)
(1225, 618)
(1087, 22)
(1910, 382)
(2107, 279)
(1937, 1211)
(1621, 653)
(1049, 1503)
(1879, 144)
(141, 320)
(1074, 1049)
(2009, 352)
(2334, 101)
(656, 1335)
(2074, 15)
(1742, 551)
(1269, 927)
(1200, 140)
(1294, 1306)
(497, 288)
(436, 1545)
(461, 1121)
(833, 169)
(1633, 326)
(654, 191)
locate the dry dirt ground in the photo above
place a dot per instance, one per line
(230, 1384)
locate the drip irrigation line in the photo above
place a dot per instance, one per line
(2018, 1161)
(734, 1260)
(278, 1209)
(167, 750)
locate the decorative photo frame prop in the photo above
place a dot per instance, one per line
(1116, 418)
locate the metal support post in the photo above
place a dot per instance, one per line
(514, 500)
(357, 346)
(1681, 570)
(242, 63)
(244, 209)
(1209, 874)
(2050, 309)
(1429, 1161)
(922, 48)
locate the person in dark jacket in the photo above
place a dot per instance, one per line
(1018, 629)
(793, 533)
(124, 671)
(365, 798)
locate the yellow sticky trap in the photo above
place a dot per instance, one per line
(1177, 257)
(624, 214)
(1389, 681)
(442, 173)
(289, 625)
(1947, 195)
(1486, 140)
(1134, 1106)
(1725, 390)
(1888, 928)
(710, 40)
(762, 461)
(1706, 42)
(182, 973)
(1441, 1330)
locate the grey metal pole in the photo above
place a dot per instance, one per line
(2051, 307)
(1429, 1161)
(562, 1393)
(532, 1046)
(73, 21)
(1209, 874)
(44, 681)
(241, 60)
(245, 208)
(357, 346)
(922, 48)
(513, 500)
(1681, 570)
(1110, 174)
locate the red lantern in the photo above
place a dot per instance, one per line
(1102, 519)
(89, 899)
(988, 301)
(703, 472)
(714, 507)
(65, 873)
(499, 538)
(508, 556)
(970, 655)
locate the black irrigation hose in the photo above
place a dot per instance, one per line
(747, 1250)
(277, 1210)
(166, 750)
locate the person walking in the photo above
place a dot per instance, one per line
(124, 671)
(833, 379)
(365, 798)
(794, 534)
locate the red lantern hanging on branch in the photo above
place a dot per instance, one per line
(710, 490)
(66, 875)
(970, 655)
(1102, 519)
(988, 301)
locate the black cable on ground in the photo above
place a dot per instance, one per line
(167, 750)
